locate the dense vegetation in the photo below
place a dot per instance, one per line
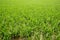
(30, 22)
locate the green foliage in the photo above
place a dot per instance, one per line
(28, 21)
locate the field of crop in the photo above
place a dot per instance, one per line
(29, 20)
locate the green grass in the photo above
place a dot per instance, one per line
(30, 20)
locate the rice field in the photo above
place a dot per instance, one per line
(29, 20)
